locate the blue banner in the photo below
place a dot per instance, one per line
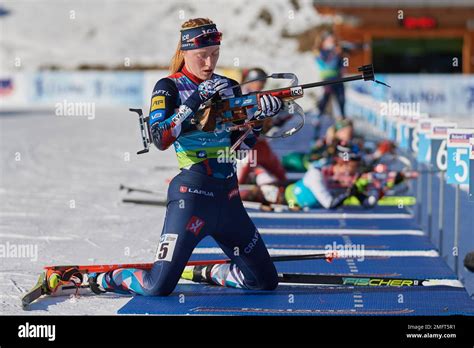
(103, 88)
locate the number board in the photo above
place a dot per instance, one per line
(402, 133)
(471, 170)
(412, 123)
(422, 130)
(437, 138)
(458, 155)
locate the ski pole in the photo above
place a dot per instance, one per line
(147, 266)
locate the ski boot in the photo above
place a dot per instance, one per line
(198, 274)
(56, 279)
(95, 283)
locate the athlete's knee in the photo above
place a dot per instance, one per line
(162, 279)
(160, 290)
(163, 292)
(159, 287)
(270, 284)
(266, 280)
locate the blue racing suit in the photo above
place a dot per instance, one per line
(203, 200)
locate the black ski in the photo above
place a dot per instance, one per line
(369, 281)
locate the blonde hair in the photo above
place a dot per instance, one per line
(177, 62)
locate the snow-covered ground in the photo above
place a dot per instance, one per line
(70, 33)
(62, 199)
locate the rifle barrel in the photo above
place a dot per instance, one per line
(332, 82)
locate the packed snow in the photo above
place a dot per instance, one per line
(59, 195)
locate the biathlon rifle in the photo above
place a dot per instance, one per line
(215, 111)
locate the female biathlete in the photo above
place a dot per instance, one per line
(203, 199)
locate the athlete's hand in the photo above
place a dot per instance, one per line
(209, 88)
(269, 107)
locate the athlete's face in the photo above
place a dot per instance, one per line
(345, 134)
(202, 61)
(345, 168)
(329, 43)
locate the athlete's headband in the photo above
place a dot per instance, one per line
(198, 37)
(347, 153)
(342, 124)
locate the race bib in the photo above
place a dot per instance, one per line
(166, 248)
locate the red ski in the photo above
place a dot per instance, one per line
(64, 273)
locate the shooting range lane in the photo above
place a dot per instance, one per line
(199, 299)
(400, 248)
